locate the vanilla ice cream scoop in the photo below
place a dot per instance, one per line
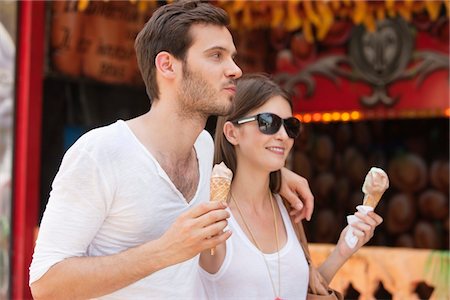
(374, 186)
(221, 170)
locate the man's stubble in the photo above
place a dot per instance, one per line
(199, 99)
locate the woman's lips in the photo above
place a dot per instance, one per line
(277, 150)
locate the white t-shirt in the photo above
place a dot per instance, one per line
(244, 275)
(110, 194)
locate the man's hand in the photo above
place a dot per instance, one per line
(295, 189)
(197, 229)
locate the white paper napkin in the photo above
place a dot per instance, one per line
(350, 238)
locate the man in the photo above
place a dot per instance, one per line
(129, 212)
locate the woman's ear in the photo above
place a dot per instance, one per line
(165, 64)
(231, 133)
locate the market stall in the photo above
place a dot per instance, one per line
(370, 83)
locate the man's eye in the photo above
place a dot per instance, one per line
(217, 55)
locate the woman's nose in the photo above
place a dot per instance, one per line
(282, 133)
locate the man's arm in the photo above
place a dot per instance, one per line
(295, 189)
(195, 230)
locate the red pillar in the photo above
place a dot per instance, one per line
(27, 140)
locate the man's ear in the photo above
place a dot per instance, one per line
(231, 133)
(166, 64)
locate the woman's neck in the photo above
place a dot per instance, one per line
(251, 188)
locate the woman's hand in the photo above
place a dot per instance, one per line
(295, 189)
(362, 229)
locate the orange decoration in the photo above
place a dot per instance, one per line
(314, 17)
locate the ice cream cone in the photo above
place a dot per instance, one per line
(375, 184)
(220, 185)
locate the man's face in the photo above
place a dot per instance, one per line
(209, 72)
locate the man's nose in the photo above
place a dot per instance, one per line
(233, 70)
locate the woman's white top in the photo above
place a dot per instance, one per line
(244, 275)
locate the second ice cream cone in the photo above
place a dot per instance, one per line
(375, 183)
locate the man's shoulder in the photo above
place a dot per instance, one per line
(106, 131)
(205, 138)
(101, 139)
(204, 144)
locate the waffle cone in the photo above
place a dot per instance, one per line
(372, 199)
(220, 187)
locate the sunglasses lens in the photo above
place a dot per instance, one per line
(292, 126)
(269, 123)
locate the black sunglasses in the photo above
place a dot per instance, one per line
(269, 123)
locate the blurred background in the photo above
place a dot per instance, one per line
(369, 79)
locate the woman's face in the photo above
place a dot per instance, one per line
(267, 152)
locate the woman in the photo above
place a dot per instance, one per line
(263, 258)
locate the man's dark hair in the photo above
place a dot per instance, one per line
(168, 30)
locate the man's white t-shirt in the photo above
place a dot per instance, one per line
(110, 194)
(244, 274)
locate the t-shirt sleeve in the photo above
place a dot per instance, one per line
(76, 209)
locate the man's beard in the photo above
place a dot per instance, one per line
(198, 98)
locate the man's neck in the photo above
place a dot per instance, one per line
(163, 131)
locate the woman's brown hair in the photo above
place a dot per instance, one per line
(252, 91)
